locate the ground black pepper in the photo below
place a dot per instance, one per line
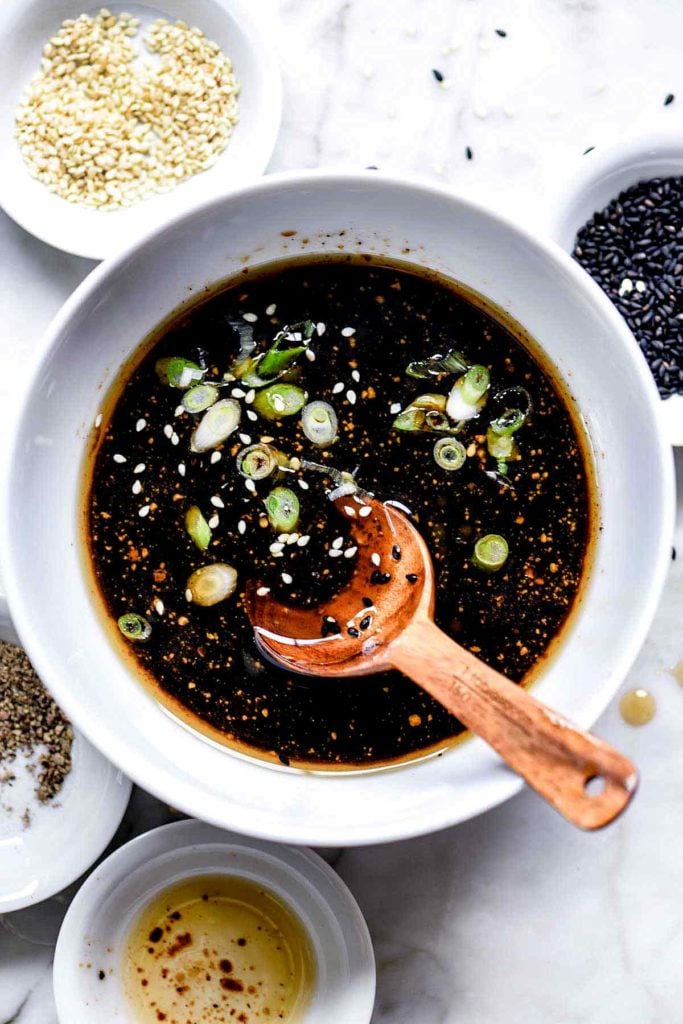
(31, 723)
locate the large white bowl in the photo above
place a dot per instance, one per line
(25, 27)
(124, 299)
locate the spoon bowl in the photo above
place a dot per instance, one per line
(383, 618)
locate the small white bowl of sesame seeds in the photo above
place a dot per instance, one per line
(637, 288)
(113, 120)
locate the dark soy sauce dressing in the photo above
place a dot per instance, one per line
(203, 661)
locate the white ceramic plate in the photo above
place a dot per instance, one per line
(26, 25)
(599, 178)
(103, 911)
(66, 835)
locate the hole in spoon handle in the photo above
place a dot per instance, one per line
(588, 781)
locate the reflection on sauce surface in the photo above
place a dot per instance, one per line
(202, 661)
(218, 949)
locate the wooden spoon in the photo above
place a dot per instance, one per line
(385, 615)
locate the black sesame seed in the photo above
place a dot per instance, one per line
(367, 602)
(639, 237)
(438, 75)
(396, 553)
(364, 623)
(411, 577)
(589, 150)
(669, 99)
(352, 631)
(329, 626)
(283, 758)
(673, 554)
(468, 152)
(501, 32)
(380, 577)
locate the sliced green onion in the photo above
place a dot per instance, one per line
(501, 446)
(449, 453)
(216, 425)
(212, 584)
(452, 362)
(490, 552)
(267, 367)
(410, 420)
(282, 508)
(279, 400)
(468, 394)
(178, 372)
(319, 423)
(135, 628)
(508, 422)
(200, 397)
(198, 528)
(259, 460)
(429, 401)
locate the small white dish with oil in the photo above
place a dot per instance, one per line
(188, 919)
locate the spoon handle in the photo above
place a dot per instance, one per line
(556, 758)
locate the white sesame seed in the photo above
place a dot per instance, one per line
(266, 439)
(335, 553)
(350, 552)
(285, 577)
(98, 420)
(375, 559)
(217, 502)
(241, 526)
(276, 547)
(137, 487)
(179, 410)
(214, 521)
(120, 458)
(310, 355)
(303, 485)
(337, 542)
(394, 408)
(337, 388)
(216, 457)
(251, 318)
(244, 438)
(250, 486)
(626, 286)
(188, 594)
(303, 541)
(168, 430)
(237, 393)
(140, 468)
(282, 537)
(347, 332)
(141, 424)
(320, 329)
(278, 403)
(144, 511)
(278, 554)
(252, 415)
(181, 468)
(262, 591)
(365, 511)
(350, 510)
(174, 438)
(293, 538)
(250, 396)
(270, 309)
(356, 376)
(351, 396)
(159, 606)
(640, 286)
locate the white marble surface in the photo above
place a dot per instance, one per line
(513, 917)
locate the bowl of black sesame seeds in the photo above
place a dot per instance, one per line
(621, 217)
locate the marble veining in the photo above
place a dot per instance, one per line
(512, 917)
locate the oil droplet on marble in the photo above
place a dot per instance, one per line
(637, 707)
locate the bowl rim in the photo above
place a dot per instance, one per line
(95, 246)
(160, 781)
